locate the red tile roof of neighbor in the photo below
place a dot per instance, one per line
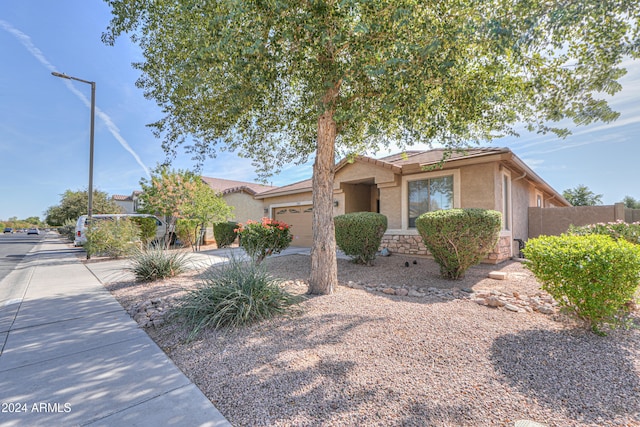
(120, 197)
(226, 186)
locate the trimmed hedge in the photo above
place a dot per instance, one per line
(225, 233)
(359, 235)
(459, 238)
(593, 276)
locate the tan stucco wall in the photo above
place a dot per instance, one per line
(522, 196)
(245, 207)
(390, 202)
(478, 186)
(358, 197)
(359, 171)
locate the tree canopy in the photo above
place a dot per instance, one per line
(280, 80)
(631, 202)
(75, 203)
(582, 196)
(178, 194)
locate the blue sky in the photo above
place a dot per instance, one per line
(44, 120)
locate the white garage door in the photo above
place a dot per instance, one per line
(299, 218)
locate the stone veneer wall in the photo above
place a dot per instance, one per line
(411, 244)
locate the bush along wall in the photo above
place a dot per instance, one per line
(225, 233)
(359, 235)
(594, 276)
(459, 238)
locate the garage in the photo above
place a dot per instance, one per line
(299, 218)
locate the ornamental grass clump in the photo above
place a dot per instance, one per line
(264, 238)
(459, 238)
(231, 295)
(153, 263)
(594, 277)
(359, 234)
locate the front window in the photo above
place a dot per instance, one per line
(428, 195)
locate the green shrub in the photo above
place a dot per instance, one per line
(459, 238)
(359, 234)
(225, 233)
(112, 238)
(186, 230)
(232, 295)
(147, 227)
(153, 263)
(261, 239)
(593, 276)
(68, 229)
(616, 230)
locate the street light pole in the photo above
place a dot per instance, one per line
(91, 136)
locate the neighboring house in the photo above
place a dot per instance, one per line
(405, 185)
(129, 204)
(240, 195)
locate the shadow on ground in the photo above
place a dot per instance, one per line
(573, 370)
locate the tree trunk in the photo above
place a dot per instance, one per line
(324, 268)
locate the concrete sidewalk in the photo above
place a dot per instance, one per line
(70, 355)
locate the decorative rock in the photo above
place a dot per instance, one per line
(546, 309)
(498, 275)
(415, 293)
(494, 301)
(512, 307)
(389, 291)
(402, 292)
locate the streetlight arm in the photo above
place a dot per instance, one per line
(64, 76)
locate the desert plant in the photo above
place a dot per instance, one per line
(153, 263)
(261, 239)
(231, 295)
(225, 233)
(593, 276)
(459, 238)
(68, 229)
(112, 238)
(187, 231)
(359, 235)
(147, 227)
(616, 230)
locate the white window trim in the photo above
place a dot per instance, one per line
(539, 193)
(421, 176)
(506, 229)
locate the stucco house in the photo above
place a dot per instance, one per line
(240, 195)
(405, 185)
(129, 204)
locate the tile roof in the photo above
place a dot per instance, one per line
(226, 186)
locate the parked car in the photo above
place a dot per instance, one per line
(8, 230)
(33, 231)
(82, 224)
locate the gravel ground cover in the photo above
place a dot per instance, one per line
(362, 358)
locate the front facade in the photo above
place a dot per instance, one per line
(405, 185)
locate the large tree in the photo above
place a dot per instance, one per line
(75, 203)
(281, 80)
(582, 196)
